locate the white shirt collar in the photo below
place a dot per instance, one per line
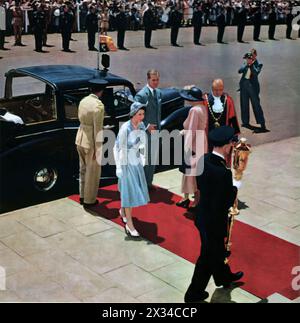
(218, 154)
(150, 88)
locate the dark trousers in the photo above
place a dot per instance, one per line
(45, 36)
(66, 36)
(91, 39)
(256, 32)
(197, 34)
(272, 31)
(210, 263)
(174, 35)
(248, 92)
(288, 31)
(38, 37)
(2, 38)
(240, 32)
(120, 38)
(221, 30)
(148, 34)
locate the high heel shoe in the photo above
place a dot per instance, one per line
(131, 233)
(123, 217)
(184, 203)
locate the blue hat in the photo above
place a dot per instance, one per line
(221, 136)
(135, 107)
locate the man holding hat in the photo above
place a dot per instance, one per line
(217, 196)
(249, 91)
(91, 115)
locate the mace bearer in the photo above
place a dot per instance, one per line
(241, 153)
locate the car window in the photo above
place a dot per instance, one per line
(116, 100)
(33, 105)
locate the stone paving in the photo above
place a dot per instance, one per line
(57, 252)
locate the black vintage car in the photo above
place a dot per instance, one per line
(39, 159)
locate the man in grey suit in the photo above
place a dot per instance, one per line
(249, 91)
(151, 95)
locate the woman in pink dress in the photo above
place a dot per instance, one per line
(195, 145)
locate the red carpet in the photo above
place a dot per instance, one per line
(267, 261)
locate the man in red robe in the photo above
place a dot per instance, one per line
(220, 109)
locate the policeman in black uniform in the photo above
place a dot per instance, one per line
(91, 24)
(66, 26)
(38, 25)
(121, 25)
(175, 20)
(217, 196)
(149, 24)
(197, 23)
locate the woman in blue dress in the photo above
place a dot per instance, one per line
(129, 162)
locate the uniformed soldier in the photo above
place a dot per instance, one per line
(38, 24)
(289, 22)
(175, 20)
(241, 23)
(121, 25)
(149, 25)
(256, 23)
(272, 24)
(17, 23)
(217, 196)
(91, 115)
(221, 23)
(2, 25)
(91, 24)
(197, 23)
(66, 26)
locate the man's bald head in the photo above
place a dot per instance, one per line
(217, 87)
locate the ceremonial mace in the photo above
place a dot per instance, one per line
(241, 152)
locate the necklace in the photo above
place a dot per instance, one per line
(216, 120)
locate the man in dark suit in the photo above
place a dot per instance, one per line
(217, 196)
(38, 23)
(175, 22)
(197, 23)
(149, 24)
(249, 91)
(221, 23)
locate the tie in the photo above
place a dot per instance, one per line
(154, 95)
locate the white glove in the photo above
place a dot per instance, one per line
(119, 172)
(237, 184)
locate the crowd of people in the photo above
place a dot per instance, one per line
(40, 17)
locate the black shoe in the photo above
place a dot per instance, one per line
(184, 203)
(261, 130)
(81, 200)
(46, 45)
(232, 278)
(221, 42)
(22, 45)
(176, 45)
(93, 49)
(195, 298)
(40, 51)
(241, 41)
(199, 44)
(192, 209)
(3, 48)
(257, 39)
(91, 204)
(151, 47)
(248, 126)
(68, 51)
